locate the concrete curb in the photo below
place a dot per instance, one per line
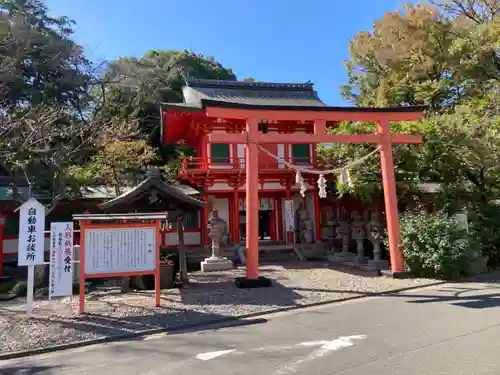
(239, 320)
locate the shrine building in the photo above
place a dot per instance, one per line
(219, 169)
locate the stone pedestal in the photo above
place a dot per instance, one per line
(216, 264)
(378, 264)
(341, 257)
(478, 265)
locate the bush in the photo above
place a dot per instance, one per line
(484, 227)
(434, 245)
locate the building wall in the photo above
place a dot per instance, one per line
(222, 205)
(265, 161)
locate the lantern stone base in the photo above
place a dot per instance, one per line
(244, 283)
(216, 264)
(378, 264)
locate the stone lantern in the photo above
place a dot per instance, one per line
(359, 235)
(216, 262)
(374, 229)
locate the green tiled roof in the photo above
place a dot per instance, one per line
(5, 193)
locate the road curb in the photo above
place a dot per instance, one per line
(240, 320)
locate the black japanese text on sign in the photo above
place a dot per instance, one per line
(30, 246)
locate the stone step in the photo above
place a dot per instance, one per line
(267, 254)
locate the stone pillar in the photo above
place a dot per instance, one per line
(343, 231)
(359, 235)
(373, 230)
(216, 262)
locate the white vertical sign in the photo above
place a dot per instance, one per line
(31, 238)
(61, 259)
(289, 216)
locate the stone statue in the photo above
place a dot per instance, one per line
(359, 235)
(343, 232)
(374, 229)
(305, 225)
(330, 230)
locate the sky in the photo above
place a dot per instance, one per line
(290, 41)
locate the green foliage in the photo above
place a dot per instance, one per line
(484, 227)
(137, 85)
(422, 56)
(20, 289)
(446, 58)
(434, 245)
(39, 62)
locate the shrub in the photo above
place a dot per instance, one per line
(434, 245)
(484, 227)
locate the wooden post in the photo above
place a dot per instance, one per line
(236, 214)
(204, 222)
(279, 211)
(2, 225)
(182, 251)
(317, 216)
(81, 304)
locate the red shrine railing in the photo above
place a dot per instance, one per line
(238, 163)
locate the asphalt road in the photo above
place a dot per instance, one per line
(451, 329)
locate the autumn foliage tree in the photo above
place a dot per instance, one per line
(439, 57)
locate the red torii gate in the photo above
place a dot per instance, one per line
(251, 137)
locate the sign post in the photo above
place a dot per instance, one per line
(61, 259)
(289, 216)
(119, 246)
(31, 243)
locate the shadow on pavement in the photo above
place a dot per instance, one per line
(107, 326)
(27, 370)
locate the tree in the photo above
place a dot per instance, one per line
(46, 119)
(427, 55)
(40, 63)
(135, 86)
(477, 11)
(122, 154)
(421, 56)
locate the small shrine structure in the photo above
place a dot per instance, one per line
(155, 195)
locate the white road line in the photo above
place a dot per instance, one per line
(211, 355)
(326, 348)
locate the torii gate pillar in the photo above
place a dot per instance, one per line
(390, 197)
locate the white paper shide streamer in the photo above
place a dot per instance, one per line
(344, 176)
(322, 186)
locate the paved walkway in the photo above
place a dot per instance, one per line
(449, 329)
(209, 297)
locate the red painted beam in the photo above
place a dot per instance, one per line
(241, 138)
(304, 115)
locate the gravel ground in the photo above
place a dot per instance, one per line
(208, 297)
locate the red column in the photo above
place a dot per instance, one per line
(288, 196)
(273, 220)
(2, 225)
(252, 202)
(231, 217)
(204, 152)
(279, 210)
(204, 222)
(236, 216)
(390, 198)
(317, 214)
